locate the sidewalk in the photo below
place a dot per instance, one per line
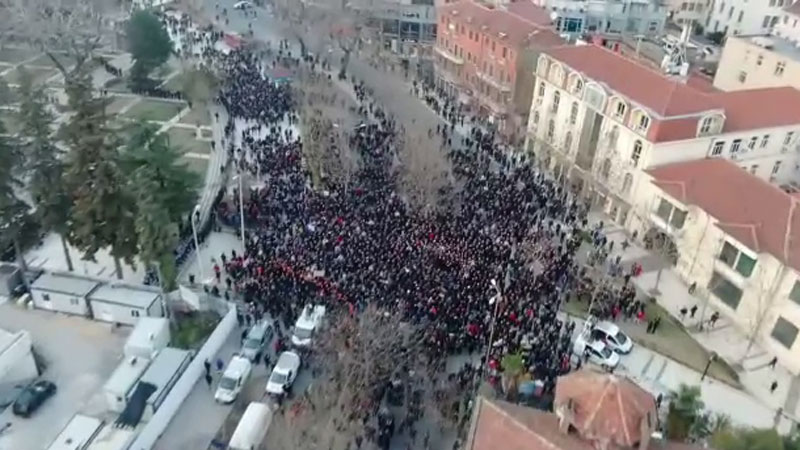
(724, 339)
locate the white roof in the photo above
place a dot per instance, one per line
(237, 365)
(145, 329)
(126, 374)
(112, 438)
(256, 417)
(311, 316)
(163, 368)
(287, 361)
(64, 284)
(123, 294)
(79, 431)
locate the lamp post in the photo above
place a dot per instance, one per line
(194, 217)
(496, 299)
(711, 358)
(241, 208)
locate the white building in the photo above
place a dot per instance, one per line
(600, 120)
(122, 303)
(738, 238)
(689, 11)
(17, 364)
(605, 17)
(745, 16)
(61, 292)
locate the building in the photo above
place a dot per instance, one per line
(125, 304)
(732, 17)
(599, 120)
(693, 12)
(763, 60)
(739, 237)
(160, 376)
(605, 17)
(63, 292)
(485, 57)
(10, 279)
(407, 27)
(17, 365)
(77, 433)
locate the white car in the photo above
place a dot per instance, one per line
(242, 5)
(307, 324)
(612, 336)
(598, 352)
(233, 379)
(284, 373)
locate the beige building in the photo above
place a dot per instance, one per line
(599, 121)
(689, 11)
(763, 60)
(738, 238)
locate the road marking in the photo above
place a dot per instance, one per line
(661, 370)
(647, 365)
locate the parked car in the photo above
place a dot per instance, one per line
(284, 373)
(259, 336)
(32, 397)
(598, 352)
(233, 379)
(242, 5)
(307, 324)
(612, 336)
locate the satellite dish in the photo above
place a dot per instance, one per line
(553, 15)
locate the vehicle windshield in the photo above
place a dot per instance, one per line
(302, 333)
(606, 352)
(25, 397)
(620, 337)
(227, 383)
(278, 378)
(252, 343)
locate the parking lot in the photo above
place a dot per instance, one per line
(80, 355)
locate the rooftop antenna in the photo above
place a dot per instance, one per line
(675, 61)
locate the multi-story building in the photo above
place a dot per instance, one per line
(691, 12)
(599, 120)
(738, 238)
(763, 60)
(486, 56)
(630, 17)
(733, 17)
(405, 26)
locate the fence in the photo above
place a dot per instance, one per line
(161, 419)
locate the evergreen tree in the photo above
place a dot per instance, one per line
(164, 191)
(149, 44)
(103, 212)
(44, 163)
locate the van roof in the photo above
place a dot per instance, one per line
(256, 417)
(311, 316)
(258, 330)
(238, 365)
(287, 361)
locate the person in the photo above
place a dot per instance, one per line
(693, 288)
(220, 364)
(773, 362)
(714, 318)
(207, 365)
(656, 324)
(693, 311)
(773, 386)
(208, 379)
(683, 312)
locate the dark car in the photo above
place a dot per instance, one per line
(32, 397)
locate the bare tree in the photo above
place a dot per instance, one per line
(424, 171)
(354, 362)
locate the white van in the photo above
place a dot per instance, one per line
(307, 324)
(252, 427)
(233, 379)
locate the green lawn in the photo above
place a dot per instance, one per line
(152, 109)
(196, 165)
(198, 115)
(38, 74)
(184, 140)
(206, 134)
(45, 61)
(118, 103)
(192, 329)
(15, 55)
(670, 340)
(117, 85)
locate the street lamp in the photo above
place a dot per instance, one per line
(711, 358)
(194, 217)
(495, 299)
(241, 208)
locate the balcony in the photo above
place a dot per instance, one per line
(502, 87)
(449, 56)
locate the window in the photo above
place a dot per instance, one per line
(568, 142)
(683, 6)
(765, 23)
(73, 301)
(722, 7)
(541, 89)
(573, 113)
(678, 218)
(536, 118)
(794, 295)
(551, 130)
(771, 2)
(627, 182)
(644, 122)
(505, 53)
(705, 126)
(493, 45)
(46, 297)
(752, 144)
(730, 13)
(605, 171)
(784, 332)
(735, 145)
(776, 167)
(780, 67)
(742, 76)
(664, 210)
(578, 86)
(135, 313)
(620, 112)
(724, 290)
(717, 149)
(788, 139)
(556, 101)
(636, 154)
(764, 141)
(741, 16)
(737, 260)
(754, 169)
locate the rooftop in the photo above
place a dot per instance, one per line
(163, 368)
(793, 9)
(137, 296)
(773, 42)
(518, 25)
(64, 284)
(756, 213)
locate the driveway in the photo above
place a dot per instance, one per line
(80, 355)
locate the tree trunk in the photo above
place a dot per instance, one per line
(23, 266)
(118, 267)
(67, 258)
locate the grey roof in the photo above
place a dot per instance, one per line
(123, 294)
(64, 284)
(165, 365)
(777, 44)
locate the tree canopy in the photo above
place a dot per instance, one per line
(149, 45)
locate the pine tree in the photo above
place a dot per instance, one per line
(103, 212)
(44, 163)
(164, 191)
(150, 47)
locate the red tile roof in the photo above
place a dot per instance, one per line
(517, 30)
(668, 97)
(753, 211)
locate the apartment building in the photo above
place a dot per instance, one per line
(599, 120)
(763, 60)
(408, 27)
(606, 17)
(485, 57)
(693, 12)
(738, 238)
(733, 17)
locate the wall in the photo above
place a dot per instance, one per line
(156, 426)
(65, 303)
(16, 360)
(789, 27)
(689, 10)
(741, 55)
(113, 312)
(726, 13)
